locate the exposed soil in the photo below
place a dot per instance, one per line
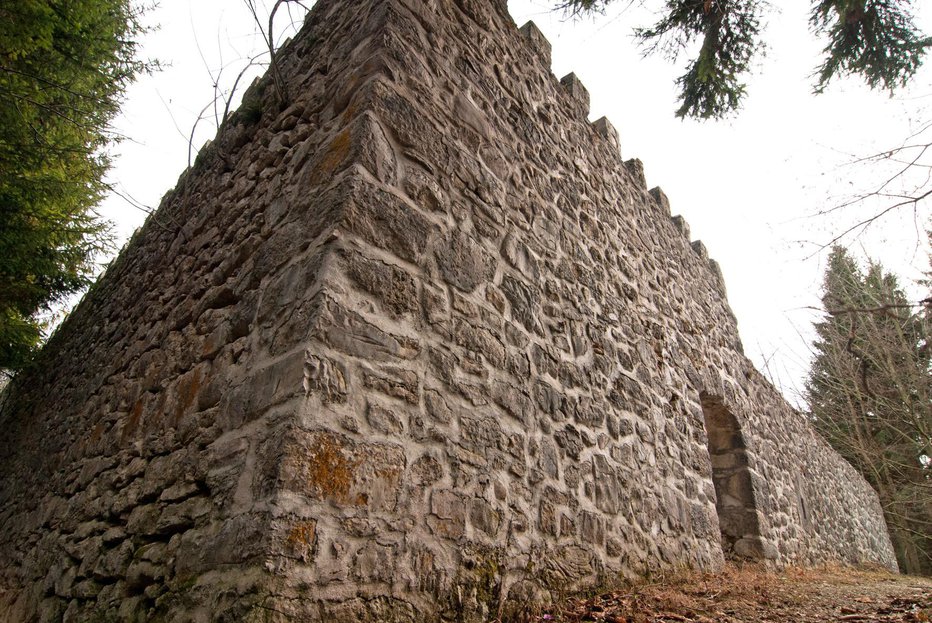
(751, 594)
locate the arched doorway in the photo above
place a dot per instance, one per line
(734, 488)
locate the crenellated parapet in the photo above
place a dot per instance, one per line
(538, 42)
(577, 91)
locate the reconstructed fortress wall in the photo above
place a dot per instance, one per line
(417, 343)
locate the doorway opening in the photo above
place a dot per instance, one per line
(734, 488)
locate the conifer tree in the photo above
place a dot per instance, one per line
(63, 69)
(869, 395)
(876, 40)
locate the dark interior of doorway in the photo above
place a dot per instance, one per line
(734, 487)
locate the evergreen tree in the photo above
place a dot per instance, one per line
(64, 67)
(869, 394)
(874, 39)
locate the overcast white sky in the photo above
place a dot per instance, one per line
(749, 187)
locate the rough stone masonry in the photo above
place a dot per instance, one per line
(416, 345)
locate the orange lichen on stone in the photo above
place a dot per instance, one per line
(97, 433)
(329, 471)
(350, 111)
(389, 475)
(188, 387)
(300, 541)
(303, 533)
(132, 423)
(334, 156)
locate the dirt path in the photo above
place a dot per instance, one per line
(749, 594)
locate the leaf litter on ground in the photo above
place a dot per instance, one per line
(751, 593)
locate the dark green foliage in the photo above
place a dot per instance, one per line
(874, 39)
(869, 395)
(713, 85)
(63, 69)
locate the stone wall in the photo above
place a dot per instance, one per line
(417, 344)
